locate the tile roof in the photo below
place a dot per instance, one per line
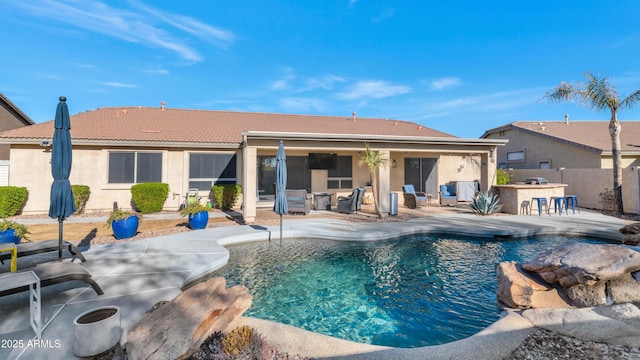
(591, 134)
(144, 124)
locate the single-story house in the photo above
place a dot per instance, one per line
(564, 144)
(114, 148)
(11, 117)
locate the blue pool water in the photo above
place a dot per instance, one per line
(409, 292)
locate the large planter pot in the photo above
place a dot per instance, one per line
(124, 229)
(9, 236)
(199, 220)
(96, 331)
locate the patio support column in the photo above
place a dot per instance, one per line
(488, 172)
(249, 183)
(384, 183)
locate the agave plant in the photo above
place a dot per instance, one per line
(486, 204)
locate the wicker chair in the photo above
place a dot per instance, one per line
(413, 199)
(349, 204)
(448, 195)
(298, 201)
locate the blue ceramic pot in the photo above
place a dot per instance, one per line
(9, 236)
(199, 220)
(124, 229)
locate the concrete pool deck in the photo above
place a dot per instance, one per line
(135, 275)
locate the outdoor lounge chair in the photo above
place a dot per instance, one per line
(413, 198)
(349, 204)
(55, 273)
(361, 192)
(298, 201)
(39, 247)
(448, 195)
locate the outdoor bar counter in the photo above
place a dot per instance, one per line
(514, 197)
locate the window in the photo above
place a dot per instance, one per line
(341, 177)
(134, 167)
(205, 170)
(515, 156)
(545, 164)
(502, 166)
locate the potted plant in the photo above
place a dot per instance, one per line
(198, 215)
(124, 223)
(12, 232)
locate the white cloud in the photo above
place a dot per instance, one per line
(303, 105)
(294, 83)
(376, 89)
(117, 84)
(444, 83)
(146, 28)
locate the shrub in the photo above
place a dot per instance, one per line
(149, 197)
(486, 204)
(19, 230)
(81, 196)
(120, 214)
(502, 177)
(12, 200)
(226, 195)
(193, 209)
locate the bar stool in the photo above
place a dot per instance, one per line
(574, 203)
(558, 202)
(541, 201)
(524, 207)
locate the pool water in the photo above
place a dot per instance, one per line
(413, 291)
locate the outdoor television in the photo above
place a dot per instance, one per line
(324, 161)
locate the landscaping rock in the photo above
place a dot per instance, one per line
(578, 263)
(178, 328)
(520, 290)
(632, 234)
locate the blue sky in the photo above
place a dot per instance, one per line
(461, 67)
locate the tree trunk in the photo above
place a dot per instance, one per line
(614, 130)
(374, 188)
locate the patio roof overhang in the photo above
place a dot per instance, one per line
(126, 143)
(382, 140)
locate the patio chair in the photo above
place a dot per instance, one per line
(349, 204)
(298, 201)
(413, 198)
(448, 195)
(50, 274)
(361, 191)
(39, 247)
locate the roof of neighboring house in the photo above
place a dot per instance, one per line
(144, 124)
(21, 115)
(590, 134)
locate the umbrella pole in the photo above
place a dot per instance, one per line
(59, 238)
(280, 230)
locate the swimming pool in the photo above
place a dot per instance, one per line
(413, 291)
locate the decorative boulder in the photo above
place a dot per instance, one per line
(578, 263)
(577, 274)
(631, 234)
(178, 328)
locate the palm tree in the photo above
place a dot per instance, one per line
(373, 161)
(599, 94)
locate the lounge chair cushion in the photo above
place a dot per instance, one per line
(39, 247)
(56, 273)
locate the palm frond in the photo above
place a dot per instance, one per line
(631, 100)
(600, 93)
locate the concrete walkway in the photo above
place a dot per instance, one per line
(136, 275)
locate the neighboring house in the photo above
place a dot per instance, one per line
(568, 144)
(11, 117)
(114, 148)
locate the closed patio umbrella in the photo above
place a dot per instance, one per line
(280, 206)
(62, 204)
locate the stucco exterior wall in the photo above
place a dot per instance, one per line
(539, 148)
